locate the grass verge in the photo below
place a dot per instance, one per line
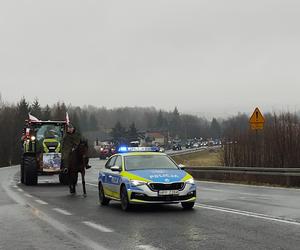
(208, 157)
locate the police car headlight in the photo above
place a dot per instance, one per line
(190, 181)
(136, 183)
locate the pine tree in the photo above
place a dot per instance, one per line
(36, 109)
(9, 136)
(21, 114)
(75, 121)
(93, 123)
(46, 114)
(60, 110)
(118, 134)
(83, 120)
(23, 109)
(175, 123)
(132, 133)
(160, 121)
(215, 129)
(1, 101)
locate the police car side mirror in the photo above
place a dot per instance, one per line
(115, 169)
(181, 166)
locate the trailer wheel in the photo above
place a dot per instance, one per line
(30, 171)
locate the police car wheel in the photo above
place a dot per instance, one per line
(125, 204)
(187, 205)
(102, 199)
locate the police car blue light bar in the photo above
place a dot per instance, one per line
(124, 149)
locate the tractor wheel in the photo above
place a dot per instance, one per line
(22, 171)
(63, 179)
(30, 171)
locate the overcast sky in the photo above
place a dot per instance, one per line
(204, 56)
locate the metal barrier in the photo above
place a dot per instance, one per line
(250, 175)
(185, 152)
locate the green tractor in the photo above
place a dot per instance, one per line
(41, 154)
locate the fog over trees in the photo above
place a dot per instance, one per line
(97, 123)
(278, 145)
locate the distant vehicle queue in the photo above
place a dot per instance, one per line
(108, 148)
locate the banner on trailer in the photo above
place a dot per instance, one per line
(51, 161)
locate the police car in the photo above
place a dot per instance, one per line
(143, 175)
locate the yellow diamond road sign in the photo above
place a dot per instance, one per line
(257, 120)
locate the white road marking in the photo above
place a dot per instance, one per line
(249, 214)
(91, 184)
(20, 190)
(61, 211)
(232, 192)
(247, 185)
(147, 247)
(98, 227)
(28, 195)
(41, 202)
(9, 167)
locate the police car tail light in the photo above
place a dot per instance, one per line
(190, 181)
(136, 183)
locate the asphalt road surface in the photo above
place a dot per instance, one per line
(226, 216)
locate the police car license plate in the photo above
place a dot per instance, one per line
(168, 192)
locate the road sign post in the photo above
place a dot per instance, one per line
(257, 122)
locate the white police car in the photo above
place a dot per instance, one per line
(136, 176)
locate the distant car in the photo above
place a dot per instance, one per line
(133, 177)
(176, 146)
(196, 145)
(106, 151)
(161, 149)
(189, 144)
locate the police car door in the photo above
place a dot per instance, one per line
(116, 178)
(107, 185)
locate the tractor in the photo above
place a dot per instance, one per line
(41, 150)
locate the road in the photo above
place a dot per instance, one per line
(227, 216)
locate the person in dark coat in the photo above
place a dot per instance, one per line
(70, 142)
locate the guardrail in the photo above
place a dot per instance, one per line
(251, 175)
(185, 152)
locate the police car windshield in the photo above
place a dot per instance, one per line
(139, 162)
